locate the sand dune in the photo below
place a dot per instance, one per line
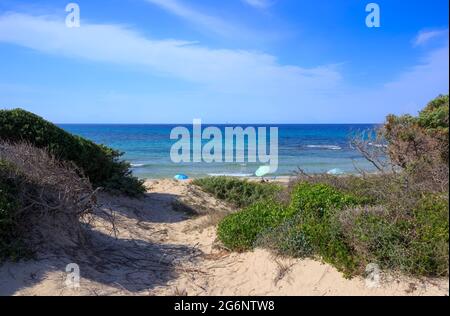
(159, 247)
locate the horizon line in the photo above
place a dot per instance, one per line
(219, 123)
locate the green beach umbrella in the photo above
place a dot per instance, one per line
(262, 171)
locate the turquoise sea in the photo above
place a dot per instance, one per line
(313, 148)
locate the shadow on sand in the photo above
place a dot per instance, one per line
(127, 265)
(123, 265)
(151, 208)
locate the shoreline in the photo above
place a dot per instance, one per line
(252, 178)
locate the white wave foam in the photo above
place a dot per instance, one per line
(329, 147)
(136, 165)
(237, 175)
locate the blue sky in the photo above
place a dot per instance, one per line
(233, 61)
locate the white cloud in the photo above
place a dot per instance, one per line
(425, 36)
(207, 22)
(235, 71)
(408, 92)
(259, 4)
(230, 84)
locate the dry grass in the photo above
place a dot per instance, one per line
(180, 292)
(53, 197)
(196, 202)
(283, 270)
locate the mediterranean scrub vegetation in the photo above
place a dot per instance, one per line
(397, 218)
(42, 202)
(238, 192)
(48, 184)
(102, 165)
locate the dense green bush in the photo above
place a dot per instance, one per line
(313, 230)
(430, 225)
(435, 115)
(239, 192)
(10, 246)
(8, 201)
(318, 199)
(239, 231)
(344, 231)
(435, 120)
(102, 165)
(422, 138)
(416, 244)
(370, 189)
(286, 239)
(317, 206)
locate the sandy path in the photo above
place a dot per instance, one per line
(161, 250)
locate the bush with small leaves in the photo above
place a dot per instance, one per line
(239, 231)
(239, 192)
(10, 247)
(101, 164)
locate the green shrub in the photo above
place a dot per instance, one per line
(8, 202)
(377, 240)
(435, 115)
(424, 138)
(415, 243)
(430, 245)
(347, 230)
(306, 226)
(286, 239)
(239, 192)
(317, 200)
(318, 206)
(239, 231)
(11, 246)
(102, 165)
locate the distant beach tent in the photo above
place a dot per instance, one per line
(336, 172)
(262, 171)
(181, 177)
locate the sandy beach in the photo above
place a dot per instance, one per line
(165, 244)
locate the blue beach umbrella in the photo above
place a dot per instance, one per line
(181, 177)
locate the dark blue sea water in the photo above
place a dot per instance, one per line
(314, 148)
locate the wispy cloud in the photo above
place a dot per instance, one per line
(227, 82)
(426, 36)
(259, 4)
(236, 71)
(207, 22)
(407, 92)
